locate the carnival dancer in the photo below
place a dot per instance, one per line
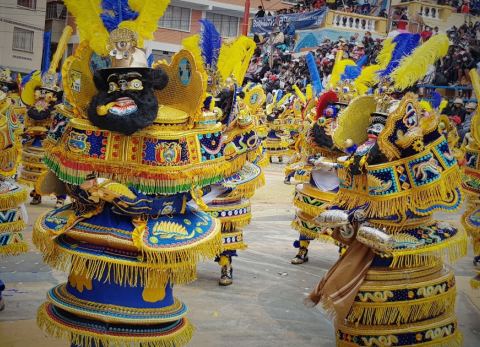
(317, 186)
(41, 93)
(391, 285)
(12, 195)
(471, 182)
(135, 150)
(229, 200)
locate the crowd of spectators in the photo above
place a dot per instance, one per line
(275, 66)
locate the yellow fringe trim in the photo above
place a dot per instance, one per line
(13, 199)
(309, 209)
(15, 226)
(234, 247)
(453, 249)
(177, 266)
(402, 312)
(89, 339)
(236, 222)
(455, 340)
(411, 199)
(247, 189)
(14, 248)
(9, 156)
(475, 282)
(296, 225)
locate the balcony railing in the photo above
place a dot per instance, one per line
(355, 21)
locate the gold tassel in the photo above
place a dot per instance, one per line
(402, 312)
(14, 248)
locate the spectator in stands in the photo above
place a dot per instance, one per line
(260, 13)
(426, 33)
(465, 8)
(456, 111)
(402, 20)
(464, 128)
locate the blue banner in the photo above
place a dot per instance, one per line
(265, 25)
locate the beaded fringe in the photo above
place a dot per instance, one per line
(89, 339)
(454, 340)
(14, 248)
(13, 199)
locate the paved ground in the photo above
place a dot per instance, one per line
(264, 306)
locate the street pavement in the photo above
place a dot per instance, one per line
(264, 307)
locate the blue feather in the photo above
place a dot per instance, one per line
(27, 78)
(115, 12)
(150, 60)
(405, 45)
(436, 100)
(279, 95)
(362, 61)
(47, 37)
(210, 43)
(314, 75)
(351, 72)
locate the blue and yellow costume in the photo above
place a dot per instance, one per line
(12, 195)
(41, 93)
(390, 286)
(229, 200)
(471, 183)
(131, 149)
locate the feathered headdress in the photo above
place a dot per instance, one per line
(385, 54)
(353, 71)
(235, 58)
(415, 66)
(97, 18)
(367, 79)
(405, 44)
(339, 68)
(323, 101)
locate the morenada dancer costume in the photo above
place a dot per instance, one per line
(41, 93)
(471, 183)
(277, 144)
(390, 287)
(226, 63)
(317, 185)
(134, 148)
(12, 195)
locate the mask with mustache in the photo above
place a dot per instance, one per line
(126, 101)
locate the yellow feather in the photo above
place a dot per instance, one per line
(357, 113)
(367, 79)
(149, 12)
(415, 66)
(385, 54)
(338, 70)
(234, 58)
(89, 24)
(61, 47)
(299, 93)
(309, 91)
(442, 106)
(475, 125)
(425, 105)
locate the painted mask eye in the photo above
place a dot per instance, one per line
(112, 87)
(122, 44)
(136, 84)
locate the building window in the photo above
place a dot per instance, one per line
(56, 10)
(176, 18)
(227, 26)
(27, 3)
(22, 40)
